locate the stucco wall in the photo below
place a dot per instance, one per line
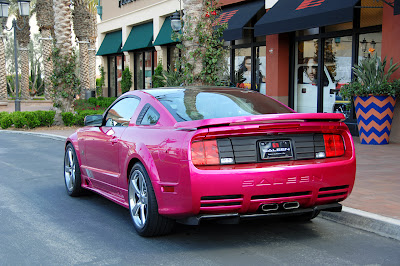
(111, 9)
(390, 48)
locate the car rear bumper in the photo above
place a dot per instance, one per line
(244, 191)
(233, 218)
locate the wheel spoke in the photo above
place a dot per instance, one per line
(71, 160)
(67, 169)
(135, 182)
(135, 209)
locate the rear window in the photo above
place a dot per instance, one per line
(197, 104)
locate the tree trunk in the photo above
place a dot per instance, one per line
(92, 64)
(194, 11)
(62, 26)
(63, 33)
(3, 74)
(47, 62)
(24, 54)
(84, 66)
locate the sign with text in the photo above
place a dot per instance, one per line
(124, 2)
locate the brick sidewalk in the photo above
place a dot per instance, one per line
(377, 186)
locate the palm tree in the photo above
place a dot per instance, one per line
(92, 42)
(194, 11)
(45, 21)
(23, 38)
(62, 26)
(3, 74)
(64, 91)
(81, 19)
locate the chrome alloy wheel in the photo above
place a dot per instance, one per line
(69, 169)
(138, 198)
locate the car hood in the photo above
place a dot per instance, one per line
(260, 119)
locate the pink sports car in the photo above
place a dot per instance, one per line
(191, 154)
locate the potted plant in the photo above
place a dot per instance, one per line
(374, 98)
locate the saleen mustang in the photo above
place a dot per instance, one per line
(189, 154)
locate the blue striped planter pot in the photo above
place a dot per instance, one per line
(374, 118)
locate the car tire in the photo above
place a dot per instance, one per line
(72, 172)
(143, 206)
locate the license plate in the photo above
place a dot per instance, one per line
(276, 149)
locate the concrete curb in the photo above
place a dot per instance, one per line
(43, 135)
(371, 222)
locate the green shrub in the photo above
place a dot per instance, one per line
(49, 118)
(104, 102)
(46, 118)
(32, 119)
(3, 114)
(126, 80)
(158, 78)
(6, 120)
(19, 119)
(68, 118)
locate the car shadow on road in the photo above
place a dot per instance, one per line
(206, 234)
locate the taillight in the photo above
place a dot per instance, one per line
(333, 145)
(205, 152)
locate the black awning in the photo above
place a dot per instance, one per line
(237, 17)
(292, 15)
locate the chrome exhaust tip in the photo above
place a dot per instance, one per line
(269, 207)
(291, 205)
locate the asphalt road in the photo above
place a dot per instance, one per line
(41, 224)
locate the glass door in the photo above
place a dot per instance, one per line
(112, 75)
(306, 77)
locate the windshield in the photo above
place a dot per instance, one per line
(196, 104)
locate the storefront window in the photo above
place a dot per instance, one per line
(243, 67)
(147, 74)
(173, 55)
(261, 61)
(370, 43)
(139, 71)
(338, 56)
(112, 75)
(119, 74)
(306, 89)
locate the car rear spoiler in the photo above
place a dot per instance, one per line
(259, 119)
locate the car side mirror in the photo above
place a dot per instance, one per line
(94, 120)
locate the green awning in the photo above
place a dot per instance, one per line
(111, 44)
(140, 37)
(164, 36)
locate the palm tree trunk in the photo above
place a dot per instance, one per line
(84, 65)
(194, 11)
(47, 61)
(3, 74)
(24, 54)
(92, 64)
(62, 26)
(63, 34)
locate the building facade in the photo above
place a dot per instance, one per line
(302, 50)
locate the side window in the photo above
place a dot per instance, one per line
(148, 116)
(121, 113)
